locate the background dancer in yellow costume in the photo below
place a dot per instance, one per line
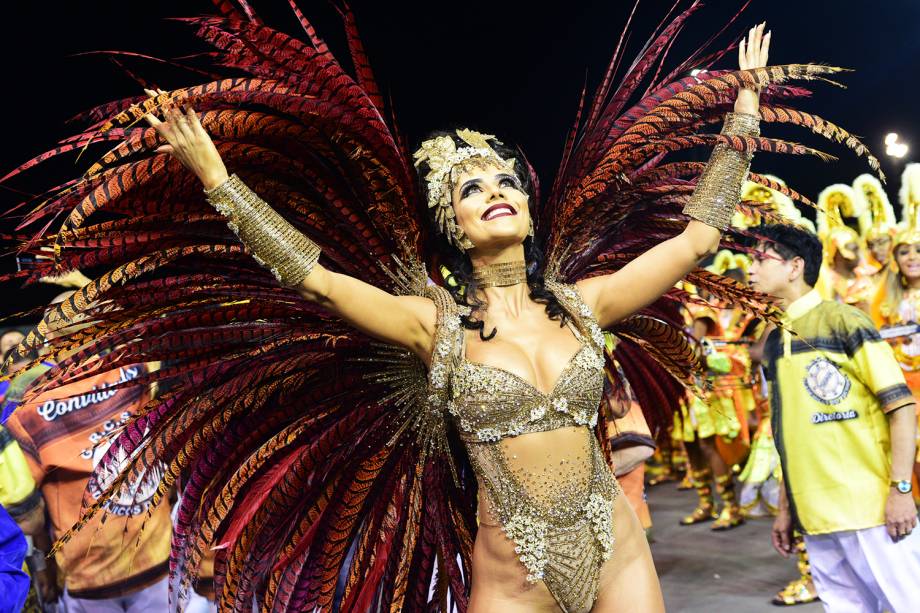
(734, 390)
(896, 307)
(843, 276)
(770, 200)
(876, 224)
(714, 429)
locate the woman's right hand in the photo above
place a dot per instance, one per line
(188, 142)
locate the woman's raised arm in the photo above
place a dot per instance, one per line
(408, 321)
(639, 283)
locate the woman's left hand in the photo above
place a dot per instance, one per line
(753, 52)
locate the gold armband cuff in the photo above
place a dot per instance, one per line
(274, 243)
(719, 187)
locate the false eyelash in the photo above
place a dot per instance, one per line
(466, 190)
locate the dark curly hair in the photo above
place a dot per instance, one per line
(790, 242)
(460, 266)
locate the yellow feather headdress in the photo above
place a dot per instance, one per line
(834, 203)
(726, 260)
(878, 217)
(782, 204)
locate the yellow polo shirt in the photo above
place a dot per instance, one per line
(831, 385)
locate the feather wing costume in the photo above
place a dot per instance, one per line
(311, 459)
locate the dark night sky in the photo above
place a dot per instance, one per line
(506, 67)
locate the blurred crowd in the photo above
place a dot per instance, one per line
(723, 443)
(119, 559)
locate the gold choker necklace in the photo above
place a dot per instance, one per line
(502, 274)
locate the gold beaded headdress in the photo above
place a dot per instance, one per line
(756, 192)
(834, 203)
(442, 156)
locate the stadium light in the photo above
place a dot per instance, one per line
(893, 147)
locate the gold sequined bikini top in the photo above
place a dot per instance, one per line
(490, 403)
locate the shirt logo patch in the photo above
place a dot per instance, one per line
(52, 409)
(820, 418)
(825, 382)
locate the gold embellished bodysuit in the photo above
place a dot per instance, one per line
(536, 457)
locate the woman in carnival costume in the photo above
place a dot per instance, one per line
(876, 224)
(338, 415)
(896, 306)
(713, 425)
(844, 277)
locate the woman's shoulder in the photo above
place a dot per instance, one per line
(446, 316)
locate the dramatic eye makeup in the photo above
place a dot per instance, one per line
(510, 180)
(468, 188)
(503, 179)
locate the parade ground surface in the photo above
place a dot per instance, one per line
(703, 571)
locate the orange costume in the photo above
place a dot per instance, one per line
(698, 419)
(632, 445)
(726, 408)
(735, 388)
(897, 304)
(723, 414)
(876, 224)
(906, 347)
(64, 434)
(856, 291)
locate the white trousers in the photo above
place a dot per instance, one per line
(864, 571)
(152, 598)
(199, 604)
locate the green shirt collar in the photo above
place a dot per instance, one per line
(801, 306)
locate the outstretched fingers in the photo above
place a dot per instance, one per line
(165, 129)
(150, 118)
(186, 140)
(752, 51)
(765, 49)
(194, 122)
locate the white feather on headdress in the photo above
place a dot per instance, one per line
(871, 192)
(804, 222)
(840, 200)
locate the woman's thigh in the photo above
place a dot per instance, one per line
(629, 581)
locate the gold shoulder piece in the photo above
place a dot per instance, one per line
(447, 339)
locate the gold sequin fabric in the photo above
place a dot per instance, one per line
(537, 459)
(274, 243)
(718, 190)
